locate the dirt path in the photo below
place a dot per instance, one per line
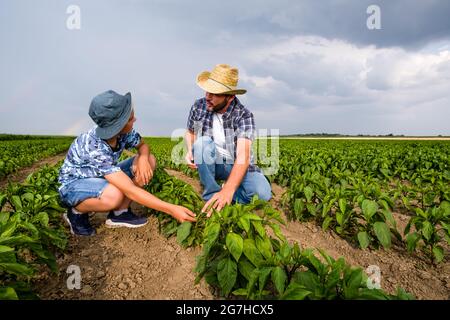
(126, 264)
(23, 173)
(398, 267)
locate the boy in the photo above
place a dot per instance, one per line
(92, 180)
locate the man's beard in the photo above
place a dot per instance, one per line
(220, 106)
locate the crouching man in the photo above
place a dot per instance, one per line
(219, 136)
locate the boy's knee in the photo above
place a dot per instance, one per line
(112, 197)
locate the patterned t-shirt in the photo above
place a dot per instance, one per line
(92, 157)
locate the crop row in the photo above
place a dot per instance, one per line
(355, 188)
(16, 154)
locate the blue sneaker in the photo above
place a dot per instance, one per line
(79, 223)
(127, 219)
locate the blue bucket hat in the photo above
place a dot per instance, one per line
(111, 112)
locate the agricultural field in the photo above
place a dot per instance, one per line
(339, 206)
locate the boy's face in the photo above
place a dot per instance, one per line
(129, 126)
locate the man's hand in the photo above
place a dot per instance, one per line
(218, 201)
(190, 161)
(182, 214)
(144, 170)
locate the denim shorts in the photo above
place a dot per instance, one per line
(82, 189)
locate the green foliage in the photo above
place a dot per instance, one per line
(30, 232)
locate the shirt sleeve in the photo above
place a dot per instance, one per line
(246, 127)
(190, 121)
(132, 140)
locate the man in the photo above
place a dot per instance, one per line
(219, 136)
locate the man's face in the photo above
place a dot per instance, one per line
(129, 126)
(216, 102)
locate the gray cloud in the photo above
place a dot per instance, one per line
(309, 66)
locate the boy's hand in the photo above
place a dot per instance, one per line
(182, 214)
(144, 171)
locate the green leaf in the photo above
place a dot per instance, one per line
(212, 233)
(252, 253)
(227, 274)
(427, 230)
(246, 268)
(389, 217)
(298, 207)
(259, 228)
(264, 274)
(295, 292)
(438, 252)
(235, 244)
(342, 205)
(279, 278)
(276, 229)
(183, 231)
(363, 239)
(411, 241)
(16, 202)
(383, 234)
(326, 223)
(17, 269)
(41, 217)
(4, 217)
(264, 246)
(308, 193)
(245, 222)
(8, 293)
(5, 249)
(240, 292)
(2, 200)
(369, 208)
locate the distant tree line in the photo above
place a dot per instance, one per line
(9, 137)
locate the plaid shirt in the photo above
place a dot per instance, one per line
(238, 122)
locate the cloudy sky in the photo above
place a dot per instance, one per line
(308, 66)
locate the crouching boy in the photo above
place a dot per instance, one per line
(92, 179)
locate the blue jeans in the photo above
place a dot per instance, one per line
(79, 190)
(210, 168)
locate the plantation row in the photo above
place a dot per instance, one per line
(354, 187)
(15, 154)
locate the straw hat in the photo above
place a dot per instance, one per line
(222, 79)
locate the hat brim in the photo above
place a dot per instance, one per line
(211, 86)
(111, 131)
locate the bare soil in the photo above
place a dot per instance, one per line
(127, 264)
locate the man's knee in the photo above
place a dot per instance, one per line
(260, 187)
(204, 150)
